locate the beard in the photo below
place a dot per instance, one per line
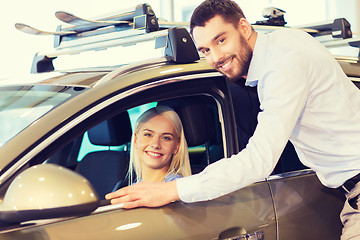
(243, 57)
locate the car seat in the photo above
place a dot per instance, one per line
(104, 169)
(199, 129)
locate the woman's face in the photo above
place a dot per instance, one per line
(156, 142)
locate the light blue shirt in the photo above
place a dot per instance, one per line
(305, 97)
(172, 177)
(168, 178)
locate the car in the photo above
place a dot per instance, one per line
(69, 136)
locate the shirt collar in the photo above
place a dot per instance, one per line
(258, 60)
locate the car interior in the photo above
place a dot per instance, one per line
(106, 161)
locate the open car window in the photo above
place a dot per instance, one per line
(102, 153)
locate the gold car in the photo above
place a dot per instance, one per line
(65, 142)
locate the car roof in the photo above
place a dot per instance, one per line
(79, 79)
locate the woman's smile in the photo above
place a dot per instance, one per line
(154, 154)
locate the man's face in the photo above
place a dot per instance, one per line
(224, 47)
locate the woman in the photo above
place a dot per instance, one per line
(158, 148)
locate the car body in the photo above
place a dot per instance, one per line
(51, 121)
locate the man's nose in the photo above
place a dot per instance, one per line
(217, 55)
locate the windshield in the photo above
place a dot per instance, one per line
(22, 105)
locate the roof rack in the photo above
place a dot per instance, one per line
(176, 42)
(140, 24)
(125, 28)
(338, 28)
(332, 34)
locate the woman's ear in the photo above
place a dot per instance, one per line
(135, 139)
(177, 147)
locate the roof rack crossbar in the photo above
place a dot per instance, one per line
(177, 44)
(337, 28)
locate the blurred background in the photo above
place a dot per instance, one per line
(17, 49)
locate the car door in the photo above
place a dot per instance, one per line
(245, 213)
(304, 207)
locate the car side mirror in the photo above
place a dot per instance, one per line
(47, 191)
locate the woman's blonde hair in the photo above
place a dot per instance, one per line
(180, 163)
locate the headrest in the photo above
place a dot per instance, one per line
(195, 118)
(115, 131)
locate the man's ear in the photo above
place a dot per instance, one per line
(245, 28)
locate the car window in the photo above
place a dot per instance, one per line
(87, 147)
(101, 154)
(22, 105)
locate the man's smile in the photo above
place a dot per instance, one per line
(225, 65)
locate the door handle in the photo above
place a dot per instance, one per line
(240, 234)
(251, 236)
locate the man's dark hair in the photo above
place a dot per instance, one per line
(208, 9)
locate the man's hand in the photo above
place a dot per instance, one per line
(145, 194)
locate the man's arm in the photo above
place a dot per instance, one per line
(145, 194)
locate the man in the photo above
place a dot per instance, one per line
(304, 97)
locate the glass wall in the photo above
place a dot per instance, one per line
(297, 12)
